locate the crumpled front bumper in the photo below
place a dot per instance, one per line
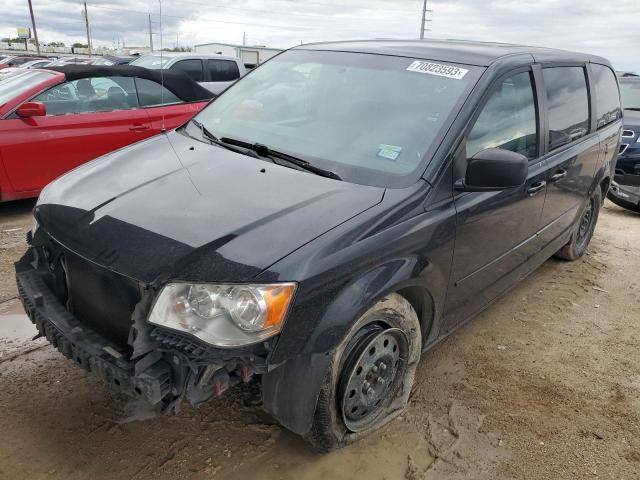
(85, 347)
(159, 365)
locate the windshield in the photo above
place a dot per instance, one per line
(19, 82)
(630, 90)
(372, 119)
(151, 61)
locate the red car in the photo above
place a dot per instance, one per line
(56, 119)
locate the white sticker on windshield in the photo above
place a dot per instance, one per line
(439, 69)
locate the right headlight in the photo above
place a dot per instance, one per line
(223, 315)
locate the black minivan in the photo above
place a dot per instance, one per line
(323, 222)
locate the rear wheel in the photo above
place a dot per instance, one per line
(370, 376)
(583, 229)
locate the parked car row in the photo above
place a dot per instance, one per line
(316, 227)
(32, 61)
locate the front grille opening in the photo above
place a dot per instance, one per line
(102, 300)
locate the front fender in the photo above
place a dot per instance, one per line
(328, 303)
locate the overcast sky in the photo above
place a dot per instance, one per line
(602, 27)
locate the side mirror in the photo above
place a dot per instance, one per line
(494, 169)
(31, 109)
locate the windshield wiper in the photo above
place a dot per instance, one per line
(267, 152)
(207, 135)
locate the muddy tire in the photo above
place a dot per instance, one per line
(370, 375)
(583, 229)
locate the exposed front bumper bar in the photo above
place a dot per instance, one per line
(84, 346)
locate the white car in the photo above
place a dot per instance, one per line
(212, 71)
(37, 63)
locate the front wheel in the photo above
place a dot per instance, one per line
(370, 375)
(583, 229)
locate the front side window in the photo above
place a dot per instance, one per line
(86, 95)
(193, 68)
(153, 94)
(508, 119)
(222, 70)
(372, 119)
(567, 104)
(607, 95)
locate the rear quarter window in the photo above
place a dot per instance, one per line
(608, 108)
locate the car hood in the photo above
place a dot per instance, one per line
(173, 207)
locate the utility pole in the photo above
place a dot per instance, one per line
(35, 32)
(86, 22)
(244, 39)
(150, 36)
(425, 20)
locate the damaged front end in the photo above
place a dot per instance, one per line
(99, 319)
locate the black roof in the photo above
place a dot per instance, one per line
(178, 83)
(455, 51)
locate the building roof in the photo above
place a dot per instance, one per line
(177, 82)
(455, 51)
(255, 47)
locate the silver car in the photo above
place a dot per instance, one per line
(212, 71)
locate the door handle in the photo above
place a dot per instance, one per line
(558, 175)
(536, 187)
(139, 128)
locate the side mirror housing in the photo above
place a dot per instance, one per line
(31, 109)
(494, 169)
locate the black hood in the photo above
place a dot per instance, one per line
(174, 207)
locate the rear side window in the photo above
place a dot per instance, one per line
(508, 120)
(607, 96)
(567, 104)
(151, 93)
(193, 68)
(222, 70)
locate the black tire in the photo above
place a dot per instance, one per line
(392, 317)
(583, 228)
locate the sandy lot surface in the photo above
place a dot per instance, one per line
(545, 384)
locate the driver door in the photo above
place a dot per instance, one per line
(496, 231)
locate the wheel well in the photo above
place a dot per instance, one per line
(604, 187)
(422, 303)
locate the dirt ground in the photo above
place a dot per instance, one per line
(545, 384)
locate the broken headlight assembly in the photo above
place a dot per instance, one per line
(223, 315)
